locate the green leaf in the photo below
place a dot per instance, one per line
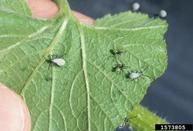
(84, 94)
(14, 7)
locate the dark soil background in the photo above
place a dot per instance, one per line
(171, 96)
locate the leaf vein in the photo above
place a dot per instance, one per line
(71, 91)
(84, 66)
(38, 32)
(94, 65)
(130, 29)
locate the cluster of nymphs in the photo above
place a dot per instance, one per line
(137, 7)
(120, 67)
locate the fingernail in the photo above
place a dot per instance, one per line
(14, 115)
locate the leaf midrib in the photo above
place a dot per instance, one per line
(49, 50)
(84, 66)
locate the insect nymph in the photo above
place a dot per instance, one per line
(133, 75)
(115, 52)
(118, 67)
(56, 61)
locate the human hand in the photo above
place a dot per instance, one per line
(47, 9)
(14, 114)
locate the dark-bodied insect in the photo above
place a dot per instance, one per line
(48, 78)
(56, 61)
(118, 67)
(133, 75)
(115, 52)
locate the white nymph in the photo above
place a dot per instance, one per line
(133, 75)
(58, 61)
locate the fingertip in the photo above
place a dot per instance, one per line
(14, 114)
(83, 18)
(27, 118)
(43, 9)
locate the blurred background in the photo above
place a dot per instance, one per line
(171, 96)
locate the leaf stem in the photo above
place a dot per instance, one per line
(141, 119)
(64, 7)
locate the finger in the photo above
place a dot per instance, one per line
(14, 115)
(47, 9)
(43, 8)
(83, 18)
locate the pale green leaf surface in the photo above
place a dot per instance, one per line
(84, 94)
(14, 7)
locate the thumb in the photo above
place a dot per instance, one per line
(14, 115)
